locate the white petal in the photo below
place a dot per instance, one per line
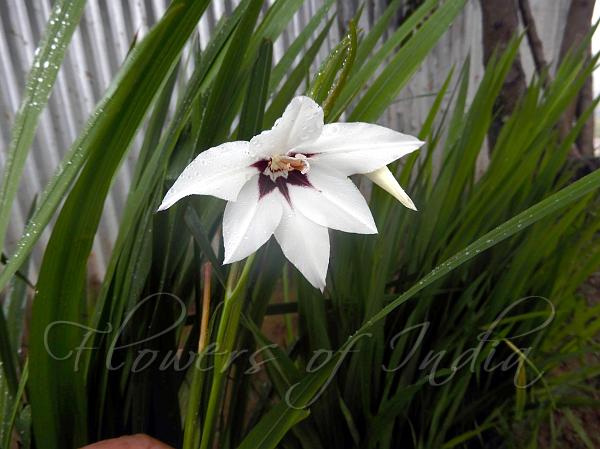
(333, 201)
(353, 148)
(306, 245)
(249, 221)
(386, 180)
(219, 171)
(301, 123)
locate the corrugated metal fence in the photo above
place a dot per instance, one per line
(101, 43)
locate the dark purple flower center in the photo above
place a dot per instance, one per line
(266, 183)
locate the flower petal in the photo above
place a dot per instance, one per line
(333, 201)
(301, 122)
(384, 178)
(305, 244)
(353, 148)
(249, 221)
(219, 171)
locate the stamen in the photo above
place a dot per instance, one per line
(281, 165)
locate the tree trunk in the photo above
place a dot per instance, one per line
(500, 23)
(578, 26)
(535, 43)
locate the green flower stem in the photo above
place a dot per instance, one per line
(191, 434)
(226, 336)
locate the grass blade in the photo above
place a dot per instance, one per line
(273, 427)
(300, 72)
(391, 80)
(253, 109)
(18, 397)
(46, 63)
(57, 391)
(550, 205)
(365, 70)
(297, 46)
(511, 227)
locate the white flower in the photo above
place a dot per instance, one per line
(292, 181)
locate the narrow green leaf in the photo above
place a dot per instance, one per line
(253, 109)
(391, 80)
(57, 391)
(275, 424)
(579, 429)
(155, 126)
(7, 356)
(18, 398)
(276, 20)
(366, 46)
(349, 421)
(300, 72)
(273, 427)
(287, 60)
(426, 131)
(48, 57)
(334, 71)
(314, 382)
(15, 305)
(192, 100)
(151, 180)
(195, 226)
(78, 154)
(460, 439)
(23, 427)
(221, 99)
(509, 228)
(360, 78)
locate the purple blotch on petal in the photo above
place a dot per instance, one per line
(265, 185)
(283, 188)
(298, 179)
(261, 165)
